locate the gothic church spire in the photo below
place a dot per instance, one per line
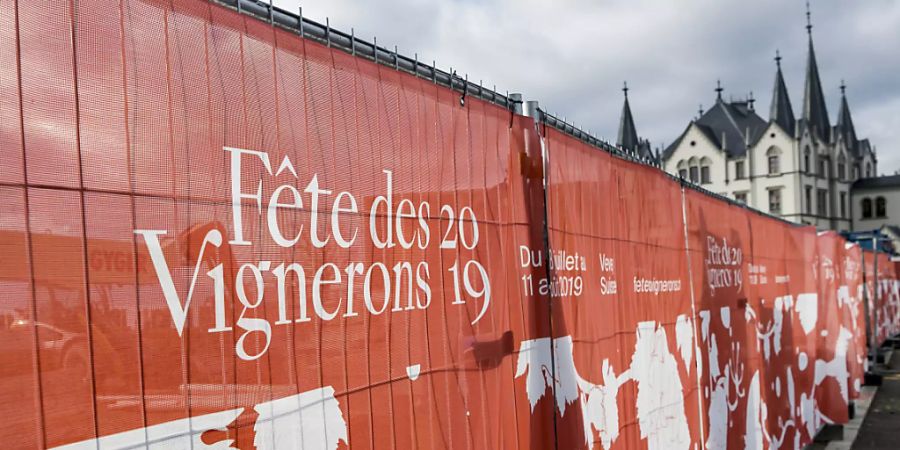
(844, 124)
(628, 138)
(815, 114)
(781, 111)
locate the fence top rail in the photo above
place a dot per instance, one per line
(326, 35)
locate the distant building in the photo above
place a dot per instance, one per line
(876, 202)
(801, 170)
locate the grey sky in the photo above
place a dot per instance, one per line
(573, 55)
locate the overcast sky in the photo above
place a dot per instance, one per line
(573, 55)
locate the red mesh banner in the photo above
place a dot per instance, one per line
(760, 315)
(832, 374)
(800, 279)
(882, 293)
(719, 245)
(623, 333)
(888, 301)
(218, 234)
(263, 242)
(853, 314)
(11, 168)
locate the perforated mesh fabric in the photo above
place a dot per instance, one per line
(216, 233)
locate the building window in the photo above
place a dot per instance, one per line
(822, 167)
(806, 161)
(842, 167)
(741, 197)
(739, 170)
(868, 169)
(809, 199)
(773, 165)
(694, 170)
(682, 169)
(775, 201)
(822, 202)
(774, 162)
(843, 205)
(867, 208)
(705, 177)
(880, 207)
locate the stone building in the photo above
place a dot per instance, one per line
(800, 169)
(875, 202)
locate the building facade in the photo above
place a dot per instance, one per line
(875, 203)
(800, 169)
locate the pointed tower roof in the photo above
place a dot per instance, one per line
(815, 114)
(781, 111)
(628, 138)
(844, 126)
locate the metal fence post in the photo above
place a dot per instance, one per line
(516, 100)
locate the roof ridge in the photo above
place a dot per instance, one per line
(734, 124)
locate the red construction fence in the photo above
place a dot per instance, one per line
(216, 234)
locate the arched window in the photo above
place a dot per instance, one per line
(705, 177)
(867, 208)
(842, 167)
(868, 169)
(806, 161)
(880, 207)
(682, 169)
(694, 170)
(774, 157)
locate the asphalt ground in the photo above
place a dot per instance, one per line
(881, 427)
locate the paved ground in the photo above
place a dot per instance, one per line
(851, 429)
(881, 427)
